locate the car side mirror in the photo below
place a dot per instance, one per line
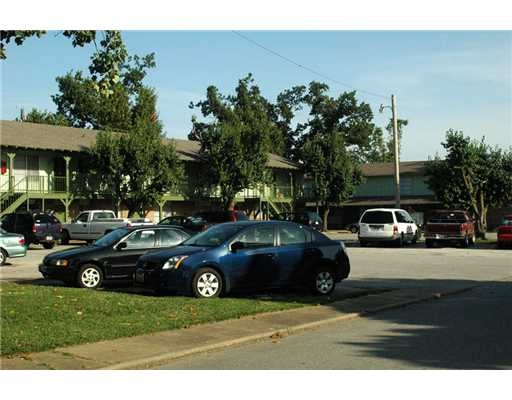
(121, 246)
(236, 246)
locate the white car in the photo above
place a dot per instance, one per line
(387, 225)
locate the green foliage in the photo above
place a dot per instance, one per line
(138, 166)
(473, 176)
(236, 143)
(18, 37)
(46, 117)
(332, 169)
(106, 61)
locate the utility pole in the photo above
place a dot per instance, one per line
(396, 146)
(397, 155)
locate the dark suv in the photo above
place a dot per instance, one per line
(38, 228)
(308, 218)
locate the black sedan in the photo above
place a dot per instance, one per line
(113, 256)
(247, 255)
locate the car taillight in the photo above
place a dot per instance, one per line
(232, 217)
(22, 241)
(34, 229)
(395, 229)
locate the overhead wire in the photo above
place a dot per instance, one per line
(308, 68)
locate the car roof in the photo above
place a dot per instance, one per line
(385, 209)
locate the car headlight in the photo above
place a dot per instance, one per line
(62, 263)
(174, 262)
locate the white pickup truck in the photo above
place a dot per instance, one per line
(91, 225)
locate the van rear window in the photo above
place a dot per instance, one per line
(378, 217)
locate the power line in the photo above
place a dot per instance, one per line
(307, 68)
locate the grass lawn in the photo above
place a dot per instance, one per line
(37, 318)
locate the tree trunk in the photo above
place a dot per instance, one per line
(326, 215)
(229, 204)
(481, 223)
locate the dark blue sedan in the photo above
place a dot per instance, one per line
(248, 255)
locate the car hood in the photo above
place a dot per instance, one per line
(164, 255)
(74, 252)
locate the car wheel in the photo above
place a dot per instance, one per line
(323, 281)
(429, 243)
(400, 241)
(415, 238)
(65, 237)
(472, 240)
(353, 229)
(90, 276)
(465, 242)
(49, 245)
(207, 283)
(3, 256)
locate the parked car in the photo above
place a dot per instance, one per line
(505, 232)
(203, 220)
(353, 227)
(37, 228)
(449, 226)
(308, 218)
(93, 224)
(112, 257)
(247, 255)
(189, 224)
(387, 225)
(11, 245)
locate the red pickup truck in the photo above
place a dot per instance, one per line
(505, 232)
(449, 226)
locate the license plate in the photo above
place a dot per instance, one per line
(377, 227)
(49, 237)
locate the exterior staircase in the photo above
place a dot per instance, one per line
(10, 202)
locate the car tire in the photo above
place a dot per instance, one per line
(48, 245)
(415, 238)
(429, 243)
(354, 229)
(90, 276)
(207, 283)
(400, 242)
(65, 237)
(472, 240)
(465, 242)
(3, 256)
(322, 282)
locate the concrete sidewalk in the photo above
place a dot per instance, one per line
(158, 348)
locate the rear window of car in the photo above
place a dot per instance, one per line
(42, 219)
(377, 217)
(448, 217)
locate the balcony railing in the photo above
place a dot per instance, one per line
(36, 184)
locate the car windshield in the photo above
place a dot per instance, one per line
(110, 238)
(214, 236)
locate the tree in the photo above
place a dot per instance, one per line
(85, 107)
(140, 165)
(473, 176)
(45, 117)
(236, 143)
(105, 62)
(332, 169)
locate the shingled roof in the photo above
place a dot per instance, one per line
(387, 169)
(27, 135)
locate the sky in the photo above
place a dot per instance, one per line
(442, 80)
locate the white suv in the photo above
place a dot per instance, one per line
(387, 225)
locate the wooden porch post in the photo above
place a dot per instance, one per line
(66, 204)
(11, 170)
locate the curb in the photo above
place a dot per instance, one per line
(279, 333)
